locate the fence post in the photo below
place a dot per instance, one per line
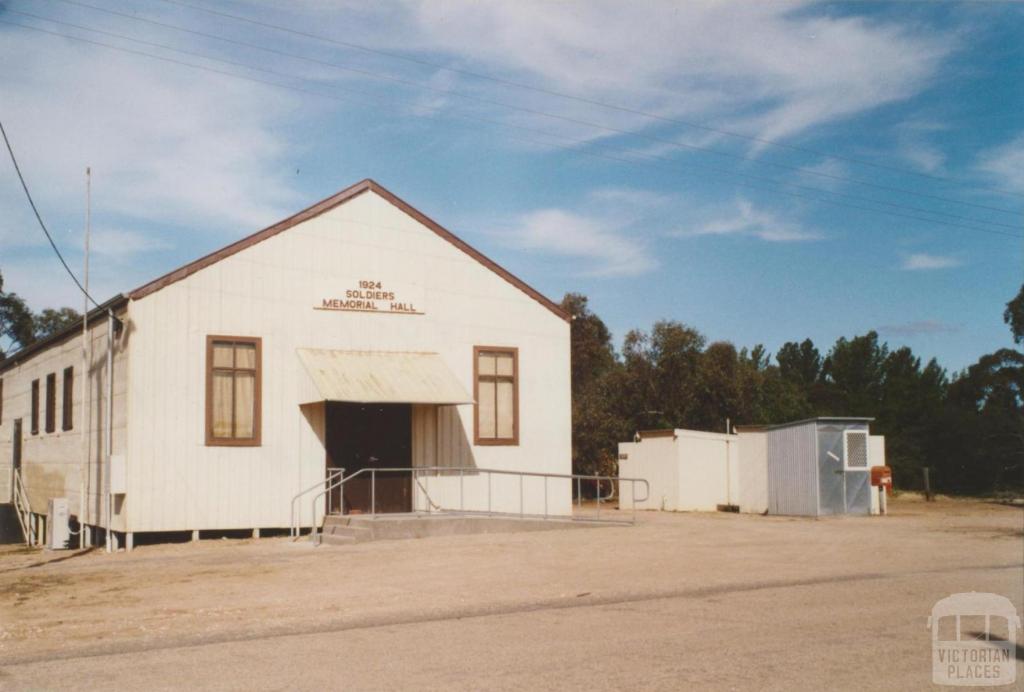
(928, 484)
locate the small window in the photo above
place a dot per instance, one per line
(497, 395)
(856, 443)
(51, 402)
(68, 399)
(233, 373)
(34, 413)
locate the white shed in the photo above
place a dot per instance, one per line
(690, 471)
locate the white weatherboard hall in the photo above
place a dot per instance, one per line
(356, 334)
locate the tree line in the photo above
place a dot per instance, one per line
(966, 427)
(20, 327)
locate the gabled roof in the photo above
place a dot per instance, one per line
(325, 206)
(70, 330)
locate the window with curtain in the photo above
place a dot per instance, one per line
(497, 395)
(233, 373)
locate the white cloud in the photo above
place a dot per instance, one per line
(923, 262)
(769, 70)
(166, 144)
(748, 220)
(606, 248)
(121, 245)
(1005, 164)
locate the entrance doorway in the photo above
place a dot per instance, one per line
(365, 436)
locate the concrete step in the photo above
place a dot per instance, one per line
(358, 534)
(331, 539)
(348, 529)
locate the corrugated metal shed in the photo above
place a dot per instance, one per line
(811, 471)
(381, 377)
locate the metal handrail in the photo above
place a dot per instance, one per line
(23, 509)
(334, 481)
(430, 500)
(332, 475)
(462, 470)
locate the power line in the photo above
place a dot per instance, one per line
(419, 85)
(475, 118)
(535, 112)
(493, 122)
(571, 97)
(28, 195)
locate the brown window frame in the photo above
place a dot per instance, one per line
(495, 441)
(67, 398)
(50, 419)
(257, 414)
(34, 413)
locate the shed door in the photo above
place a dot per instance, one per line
(832, 498)
(858, 473)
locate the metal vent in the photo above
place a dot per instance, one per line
(856, 450)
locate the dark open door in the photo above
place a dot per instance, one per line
(365, 436)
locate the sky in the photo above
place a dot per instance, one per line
(764, 172)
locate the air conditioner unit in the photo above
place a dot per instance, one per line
(58, 527)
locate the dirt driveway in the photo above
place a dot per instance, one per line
(717, 600)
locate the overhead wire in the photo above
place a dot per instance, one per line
(418, 85)
(39, 218)
(536, 112)
(561, 94)
(487, 121)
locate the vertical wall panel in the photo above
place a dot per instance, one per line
(269, 290)
(792, 470)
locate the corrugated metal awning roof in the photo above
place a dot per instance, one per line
(381, 377)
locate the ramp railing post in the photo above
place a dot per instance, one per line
(545, 497)
(579, 493)
(489, 492)
(373, 493)
(520, 497)
(462, 502)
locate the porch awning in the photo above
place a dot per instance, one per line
(380, 377)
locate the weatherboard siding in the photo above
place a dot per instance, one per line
(270, 290)
(51, 461)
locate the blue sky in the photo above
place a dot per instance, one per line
(912, 110)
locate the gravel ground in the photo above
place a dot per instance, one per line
(717, 600)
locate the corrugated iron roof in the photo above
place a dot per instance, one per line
(382, 377)
(823, 419)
